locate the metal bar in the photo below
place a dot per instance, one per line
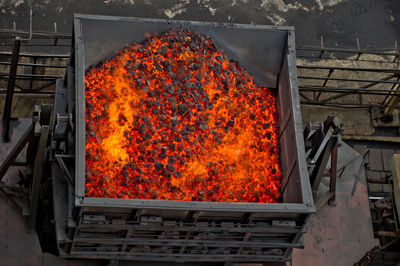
(393, 102)
(38, 89)
(10, 89)
(188, 243)
(352, 80)
(33, 70)
(30, 94)
(38, 55)
(350, 90)
(352, 51)
(392, 89)
(192, 228)
(378, 70)
(37, 176)
(48, 35)
(28, 78)
(305, 97)
(333, 171)
(39, 45)
(318, 173)
(37, 65)
(344, 105)
(388, 234)
(141, 256)
(33, 76)
(385, 78)
(316, 58)
(325, 81)
(21, 143)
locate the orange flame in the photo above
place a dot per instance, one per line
(174, 119)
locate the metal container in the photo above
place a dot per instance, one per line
(164, 230)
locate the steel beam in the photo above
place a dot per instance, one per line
(10, 89)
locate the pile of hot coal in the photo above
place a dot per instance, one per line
(174, 119)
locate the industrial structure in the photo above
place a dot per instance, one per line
(325, 170)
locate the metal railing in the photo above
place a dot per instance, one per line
(315, 87)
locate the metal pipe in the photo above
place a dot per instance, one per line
(10, 89)
(352, 51)
(31, 76)
(67, 56)
(30, 27)
(36, 65)
(43, 34)
(379, 70)
(29, 94)
(349, 90)
(352, 80)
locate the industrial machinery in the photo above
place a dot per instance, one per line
(164, 230)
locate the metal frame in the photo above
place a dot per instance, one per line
(306, 206)
(43, 40)
(335, 95)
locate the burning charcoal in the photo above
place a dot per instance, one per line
(171, 160)
(184, 132)
(170, 167)
(145, 119)
(146, 136)
(219, 140)
(168, 175)
(171, 125)
(182, 108)
(178, 138)
(159, 166)
(194, 66)
(231, 122)
(157, 66)
(177, 174)
(180, 146)
(203, 126)
(125, 173)
(266, 125)
(172, 147)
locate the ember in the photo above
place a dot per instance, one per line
(174, 119)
